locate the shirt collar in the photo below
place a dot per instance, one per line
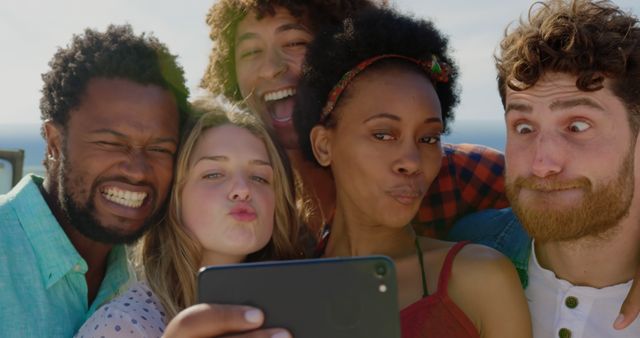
(54, 252)
(118, 277)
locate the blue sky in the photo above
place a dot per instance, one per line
(31, 31)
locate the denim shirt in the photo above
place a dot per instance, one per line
(499, 229)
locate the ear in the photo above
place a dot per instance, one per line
(321, 144)
(53, 138)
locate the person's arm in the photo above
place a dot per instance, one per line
(471, 178)
(486, 287)
(631, 306)
(213, 320)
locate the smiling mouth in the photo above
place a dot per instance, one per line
(129, 199)
(280, 104)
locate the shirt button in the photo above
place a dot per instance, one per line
(564, 333)
(571, 302)
(77, 268)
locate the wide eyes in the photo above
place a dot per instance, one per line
(523, 128)
(578, 126)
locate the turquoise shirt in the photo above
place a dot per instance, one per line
(43, 291)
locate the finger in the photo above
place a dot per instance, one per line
(631, 305)
(207, 320)
(266, 333)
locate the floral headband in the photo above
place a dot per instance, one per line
(439, 72)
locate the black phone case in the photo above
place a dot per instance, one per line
(314, 298)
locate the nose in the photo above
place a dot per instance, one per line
(408, 163)
(136, 166)
(548, 156)
(273, 65)
(239, 190)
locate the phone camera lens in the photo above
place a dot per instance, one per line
(381, 270)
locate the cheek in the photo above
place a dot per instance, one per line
(295, 65)
(246, 78)
(265, 198)
(199, 207)
(431, 164)
(516, 163)
(164, 173)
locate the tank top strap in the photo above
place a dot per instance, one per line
(445, 272)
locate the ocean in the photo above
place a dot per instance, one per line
(27, 137)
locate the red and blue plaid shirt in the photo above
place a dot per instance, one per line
(471, 178)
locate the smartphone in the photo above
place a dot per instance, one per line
(313, 298)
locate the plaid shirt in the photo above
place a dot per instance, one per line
(471, 178)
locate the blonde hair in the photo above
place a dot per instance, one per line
(171, 256)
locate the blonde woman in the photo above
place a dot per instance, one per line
(233, 200)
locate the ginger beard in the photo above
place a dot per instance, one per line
(601, 208)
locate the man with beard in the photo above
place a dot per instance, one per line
(568, 79)
(112, 107)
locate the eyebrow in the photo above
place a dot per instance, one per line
(279, 29)
(221, 158)
(393, 117)
(121, 135)
(582, 101)
(555, 105)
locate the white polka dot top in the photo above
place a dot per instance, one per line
(136, 313)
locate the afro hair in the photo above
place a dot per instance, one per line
(373, 32)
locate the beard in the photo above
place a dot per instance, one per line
(81, 216)
(601, 209)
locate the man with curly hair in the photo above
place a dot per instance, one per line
(112, 106)
(257, 61)
(568, 79)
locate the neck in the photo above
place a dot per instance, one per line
(216, 258)
(318, 189)
(355, 236)
(597, 262)
(94, 253)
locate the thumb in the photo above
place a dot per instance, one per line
(631, 305)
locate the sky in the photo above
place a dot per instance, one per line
(32, 30)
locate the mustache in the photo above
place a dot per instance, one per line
(552, 183)
(125, 180)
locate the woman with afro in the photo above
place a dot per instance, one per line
(376, 94)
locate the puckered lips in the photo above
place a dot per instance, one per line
(243, 212)
(280, 105)
(125, 200)
(406, 194)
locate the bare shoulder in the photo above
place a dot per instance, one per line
(480, 268)
(485, 285)
(482, 261)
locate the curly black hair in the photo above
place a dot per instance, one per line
(224, 16)
(116, 53)
(373, 32)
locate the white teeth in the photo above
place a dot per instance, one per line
(129, 199)
(280, 94)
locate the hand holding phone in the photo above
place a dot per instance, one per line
(336, 297)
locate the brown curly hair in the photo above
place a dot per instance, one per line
(589, 39)
(223, 19)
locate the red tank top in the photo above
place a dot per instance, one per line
(437, 315)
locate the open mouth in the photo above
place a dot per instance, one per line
(130, 199)
(280, 104)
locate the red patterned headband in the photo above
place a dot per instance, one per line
(439, 73)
